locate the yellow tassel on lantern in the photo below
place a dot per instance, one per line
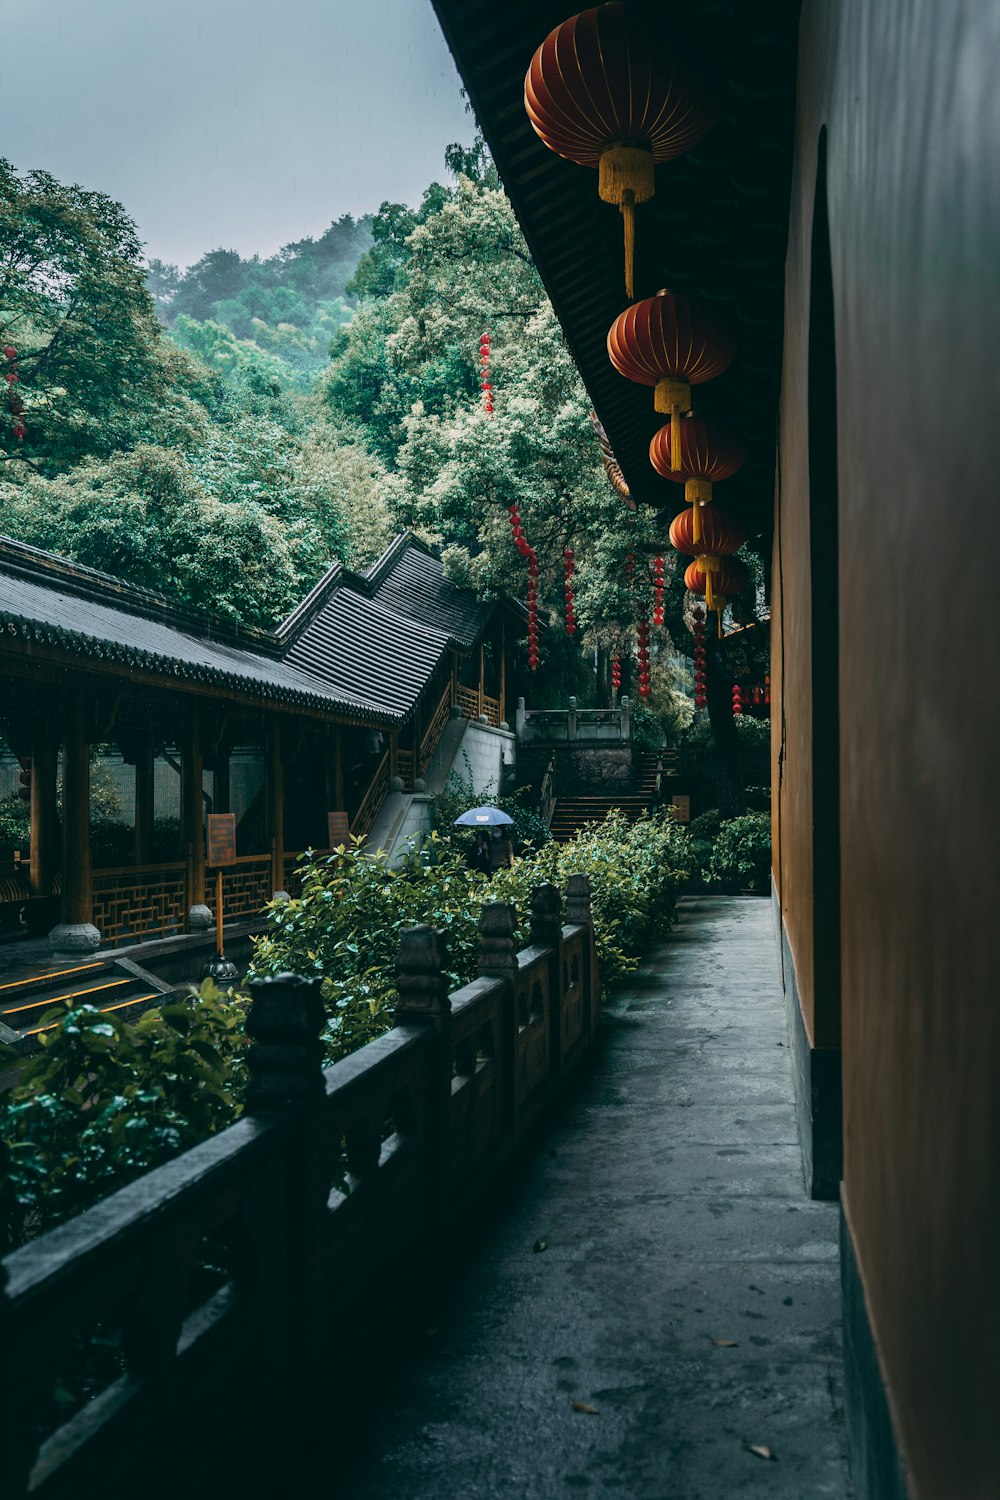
(709, 565)
(673, 397)
(697, 492)
(626, 176)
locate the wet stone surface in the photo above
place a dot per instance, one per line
(688, 1291)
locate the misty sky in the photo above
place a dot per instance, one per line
(242, 123)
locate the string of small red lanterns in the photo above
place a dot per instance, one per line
(658, 575)
(616, 673)
(642, 655)
(527, 551)
(14, 403)
(737, 699)
(485, 358)
(700, 682)
(569, 565)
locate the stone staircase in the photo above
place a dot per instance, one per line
(576, 811)
(112, 984)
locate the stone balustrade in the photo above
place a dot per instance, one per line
(237, 1285)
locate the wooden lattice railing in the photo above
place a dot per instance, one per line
(134, 904)
(473, 704)
(435, 729)
(246, 886)
(364, 818)
(350, 1178)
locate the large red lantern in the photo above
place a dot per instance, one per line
(718, 579)
(708, 453)
(670, 343)
(706, 530)
(609, 89)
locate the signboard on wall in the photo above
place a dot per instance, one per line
(221, 839)
(683, 806)
(338, 829)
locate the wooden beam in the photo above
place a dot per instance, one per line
(44, 814)
(77, 899)
(276, 808)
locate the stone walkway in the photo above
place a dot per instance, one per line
(685, 1306)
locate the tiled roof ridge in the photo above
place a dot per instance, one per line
(52, 569)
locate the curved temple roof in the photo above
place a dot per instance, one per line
(364, 646)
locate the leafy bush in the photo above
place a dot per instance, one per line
(104, 1101)
(14, 827)
(706, 825)
(742, 852)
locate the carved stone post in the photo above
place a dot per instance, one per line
(424, 1001)
(571, 720)
(285, 1063)
(286, 1056)
(626, 708)
(498, 960)
(546, 932)
(579, 913)
(520, 719)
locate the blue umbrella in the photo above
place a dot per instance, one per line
(482, 817)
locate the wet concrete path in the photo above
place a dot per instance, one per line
(688, 1291)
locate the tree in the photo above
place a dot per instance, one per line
(74, 304)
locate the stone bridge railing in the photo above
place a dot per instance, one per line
(242, 1281)
(573, 725)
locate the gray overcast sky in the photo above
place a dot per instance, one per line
(243, 123)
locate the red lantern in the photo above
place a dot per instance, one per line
(708, 453)
(609, 89)
(670, 343)
(721, 534)
(485, 354)
(718, 579)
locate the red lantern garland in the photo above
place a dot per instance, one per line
(767, 688)
(616, 674)
(658, 572)
(14, 403)
(485, 355)
(526, 550)
(737, 699)
(569, 565)
(700, 684)
(642, 655)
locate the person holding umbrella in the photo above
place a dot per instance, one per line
(501, 850)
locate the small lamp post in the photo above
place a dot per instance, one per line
(221, 851)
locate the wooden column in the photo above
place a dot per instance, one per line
(337, 772)
(503, 669)
(76, 932)
(144, 758)
(276, 808)
(192, 810)
(44, 814)
(482, 674)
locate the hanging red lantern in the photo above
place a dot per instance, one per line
(670, 343)
(718, 579)
(737, 699)
(698, 631)
(767, 688)
(485, 355)
(721, 533)
(569, 565)
(708, 453)
(616, 674)
(610, 89)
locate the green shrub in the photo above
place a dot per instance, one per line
(104, 1100)
(706, 825)
(742, 852)
(530, 830)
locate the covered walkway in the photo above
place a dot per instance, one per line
(659, 1295)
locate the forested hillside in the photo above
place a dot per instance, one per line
(223, 433)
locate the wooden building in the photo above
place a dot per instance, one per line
(843, 214)
(346, 699)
